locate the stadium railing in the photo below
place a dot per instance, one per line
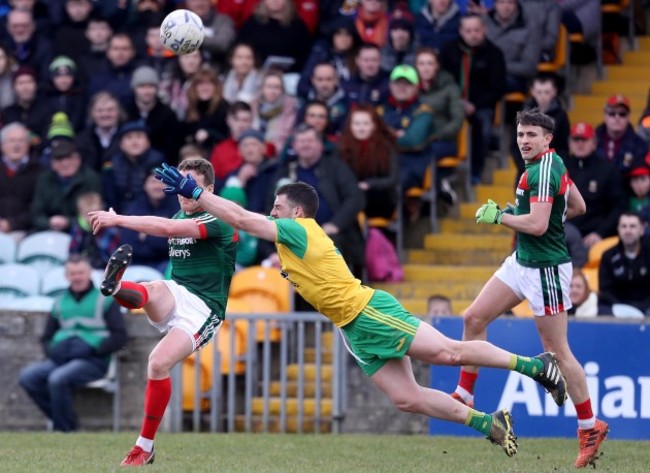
(292, 385)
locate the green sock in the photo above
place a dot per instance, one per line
(525, 365)
(479, 421)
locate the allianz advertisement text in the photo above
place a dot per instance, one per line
(615, 355)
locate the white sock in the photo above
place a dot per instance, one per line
(144, 444)
(464, 394)
(586, 424)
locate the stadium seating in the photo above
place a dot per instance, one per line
(110, 383)
(44, 250)
(54, 282)
(18, 281)
(592, 277)
(7, 249)
(265, 291)
(522, 309)
(597, 250)
(29, 304)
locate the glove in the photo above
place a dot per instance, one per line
(177, 183)
(489, 213)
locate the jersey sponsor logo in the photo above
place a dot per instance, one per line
(180, 252)
(285, 275)
(400, 344)
(615, 397)
(181, 241)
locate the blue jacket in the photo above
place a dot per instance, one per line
(631, 153)
(374, 91)
(436, 32)
(123, 180)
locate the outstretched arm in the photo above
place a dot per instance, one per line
(155, 226)
(230, 212)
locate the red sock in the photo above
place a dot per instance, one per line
(467, 380)
(132, 295)
(156, 398)
(584, 410)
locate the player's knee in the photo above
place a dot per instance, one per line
(408, 401)
(473, 321)
(157, 367)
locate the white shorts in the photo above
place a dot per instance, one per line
(191, 315)
(546, 289)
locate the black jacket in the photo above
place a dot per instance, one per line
(601, 185)
(623, 280)
(17, 193)
(487, 77)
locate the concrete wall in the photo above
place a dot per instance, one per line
(367, 411)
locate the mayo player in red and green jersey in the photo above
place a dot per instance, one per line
(539, 270)
(190, 307)
(380, 334)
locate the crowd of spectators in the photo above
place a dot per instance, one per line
(354, 97)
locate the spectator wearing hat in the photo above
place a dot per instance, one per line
(64, 93)
(18, 177)
(98, 141)
(325, 86)
(124, 174)
(411, 123)
(369, 84)
(25, 44)
(33, 113)
(115, 76)
(617, 141)
(256, 173)
(160, 120)
(55, 201)
(339, 48)
(437, 23)
(480, 70)
(638, 180)
(150, 250)
(70, 36)
(599, 183)
(400, 47)
(60, 129)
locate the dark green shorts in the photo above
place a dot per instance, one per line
(383, 330)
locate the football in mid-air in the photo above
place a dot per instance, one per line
(182, 32)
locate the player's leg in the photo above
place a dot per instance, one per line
(61, 384)
(174, 347)
(33, 379)
(395, 378)
(591, 431)
(547, 290)
(433, 347)
(495, 298)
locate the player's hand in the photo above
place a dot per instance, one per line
(177, 183)
(101, 219)
(489, 213)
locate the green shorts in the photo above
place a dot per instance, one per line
(383, 330)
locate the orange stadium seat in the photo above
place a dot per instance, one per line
(592, 277)
(522, 309)
(597, 250)
(561, 50)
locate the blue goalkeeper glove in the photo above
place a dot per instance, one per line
(510, 209)
(489, 213)
(177, 183)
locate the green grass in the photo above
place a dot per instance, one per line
(252, 453)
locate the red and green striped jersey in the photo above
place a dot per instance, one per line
(544, 180)
(205, 266)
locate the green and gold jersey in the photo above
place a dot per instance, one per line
(205, 265)
(544, 180)
(315, 267)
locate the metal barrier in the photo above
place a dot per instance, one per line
(231, 407)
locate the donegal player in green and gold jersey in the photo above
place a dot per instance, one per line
(380, 334)
(539, 270)
(190, 307)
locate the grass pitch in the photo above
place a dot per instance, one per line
(252, 453)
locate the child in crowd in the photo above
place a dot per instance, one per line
(99, 247)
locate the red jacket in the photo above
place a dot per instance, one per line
(240, 10)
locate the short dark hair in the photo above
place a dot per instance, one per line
(202, 167)
(302, 194)
(238, 106)
(535, 117)
(438, 297)
(76, 258)
(629, 213)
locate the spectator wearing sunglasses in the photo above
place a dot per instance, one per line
(617, 140)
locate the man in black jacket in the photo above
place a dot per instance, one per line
(624, 273)
(480, 69)
(84, 329)
(600, 184)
